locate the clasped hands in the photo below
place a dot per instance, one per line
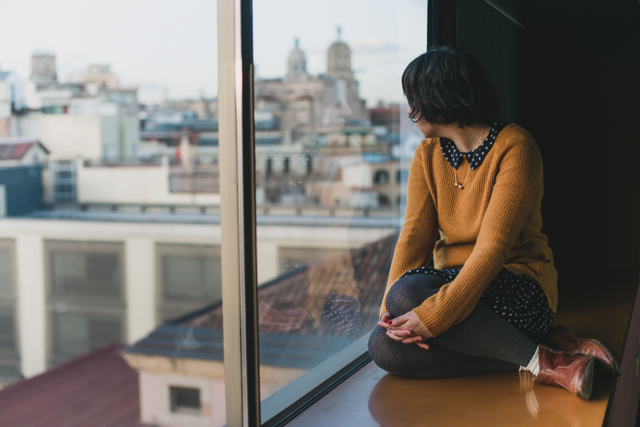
(407, 329)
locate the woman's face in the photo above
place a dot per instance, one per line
(428, 130)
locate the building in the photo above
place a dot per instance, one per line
(147, 185)
(11, 101)
(323, 110)
(43, 67)
(91, 117)
(21, 188)
(77, 280)
(22, 152)
(306, 315)
(96, 77)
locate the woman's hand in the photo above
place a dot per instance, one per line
(407, 329)
(386, 316)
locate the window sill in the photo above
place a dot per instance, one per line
(371, 397)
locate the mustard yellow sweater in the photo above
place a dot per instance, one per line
(493, 222)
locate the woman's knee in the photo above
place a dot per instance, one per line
(409, 292)
(381, 349)
(405, 360)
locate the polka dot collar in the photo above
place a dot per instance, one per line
(454, 156)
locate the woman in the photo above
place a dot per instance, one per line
(473, 201)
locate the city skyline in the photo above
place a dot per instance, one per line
(165, 59)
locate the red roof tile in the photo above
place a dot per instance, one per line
(16, 148)
(367, 266)
(14, 152)
(98, 389)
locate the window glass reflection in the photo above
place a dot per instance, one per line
(329, 195)
(109, 214)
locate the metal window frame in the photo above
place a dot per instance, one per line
(238, 225)
(237, 212)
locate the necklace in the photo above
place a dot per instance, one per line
(461, 186)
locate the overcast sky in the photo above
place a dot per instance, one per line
(170, 46)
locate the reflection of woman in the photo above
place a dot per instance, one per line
(490, 300)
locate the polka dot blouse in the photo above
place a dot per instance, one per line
(454, 156)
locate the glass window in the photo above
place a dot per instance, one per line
(295, 258)
(185, 400)
(86, 302)
(189, 276)
(78, 333)
(9, 356)
(120, 253)
(329, 209)
(123, 248)
(85, 270)
(9, 352)
(7, 265)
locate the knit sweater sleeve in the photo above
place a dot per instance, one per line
(519, 177)
(419, 232)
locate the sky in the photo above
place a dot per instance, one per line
(169, 48)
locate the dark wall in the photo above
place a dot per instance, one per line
(496, 42)
(580, 98)
(572, 78)
(23, 186)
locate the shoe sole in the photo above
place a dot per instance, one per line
(586, 385)
(612, 366)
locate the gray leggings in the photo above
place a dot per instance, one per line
(482, 343)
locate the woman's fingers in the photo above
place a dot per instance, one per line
(412, 340)
(384, 324)
(400, 335)
(411, 322)
(407, 337)
(384, 320)
(398, 321)
(423, 345)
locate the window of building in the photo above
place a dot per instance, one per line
(63, 181)
(402, 175)
(77, 333)
(381, 177)
(189, 278)
(185, 400)
(7, 275)
(86, 301)
(85, 270)
(9, 352)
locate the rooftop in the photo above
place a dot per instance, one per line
(289, 340)
(16, 148)
(97, 389)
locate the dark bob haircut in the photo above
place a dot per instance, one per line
(446, 85)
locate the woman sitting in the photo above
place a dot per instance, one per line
(473, 202)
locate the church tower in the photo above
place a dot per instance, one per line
(339, 60)
(43, 67)
(297, 65)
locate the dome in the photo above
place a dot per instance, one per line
(297, 69)
(339, 60)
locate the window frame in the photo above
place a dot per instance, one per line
(9, 307)
(75, 304)
(165, 302)
(238, 228)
